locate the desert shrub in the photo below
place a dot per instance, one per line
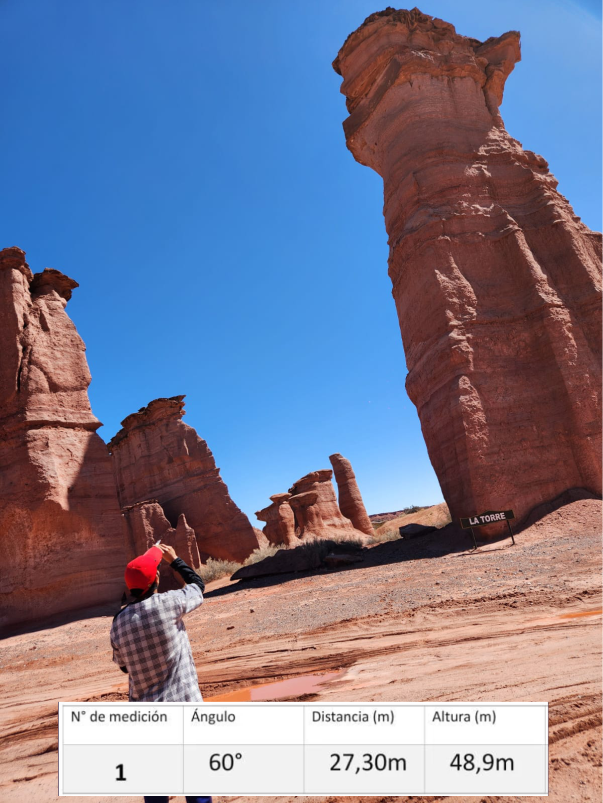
(412, 509)
(214, 569)
(323, 547)
(263, 552)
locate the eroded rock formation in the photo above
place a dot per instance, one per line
(157, 456)
(62, 536)
(496, 281)
(350, 498)
(280, 520)
(317, 513)
(147, 524)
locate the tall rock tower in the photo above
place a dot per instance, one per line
(62, 537)
(351, 503)
(495, 279)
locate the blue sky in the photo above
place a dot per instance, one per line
(185, 163)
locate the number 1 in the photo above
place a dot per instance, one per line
(120, 775)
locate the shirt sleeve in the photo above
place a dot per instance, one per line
(186, 599)
(188, 575)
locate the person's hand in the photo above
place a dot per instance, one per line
(168, 553)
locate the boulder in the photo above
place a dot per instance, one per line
(62, 536)
(496, 280)
(157, 456)
(415, 530)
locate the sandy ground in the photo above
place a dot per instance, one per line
(415, 622)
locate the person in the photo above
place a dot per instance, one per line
(149, 638)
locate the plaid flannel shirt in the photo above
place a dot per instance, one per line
(149, 638)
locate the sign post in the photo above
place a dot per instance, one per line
(489, 517)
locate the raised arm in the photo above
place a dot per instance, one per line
(189, 575)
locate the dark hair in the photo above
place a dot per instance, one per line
(139, 594)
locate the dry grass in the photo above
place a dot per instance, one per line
(216, 569)
(435, 516)
(262, 552)
(323, 547)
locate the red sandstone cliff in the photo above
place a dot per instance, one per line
(61, 533)
(147, 524)
(157, 456)
(495, 279)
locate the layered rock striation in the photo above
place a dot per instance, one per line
(495, 279)
(350, 498)
(62, 536)
(157, 456)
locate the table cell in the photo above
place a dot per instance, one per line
(217, 723)
(142, 723)
(364, 724)
(486, 769)
(121, 769)
(355, 769)
(243, 769)
(486, 724)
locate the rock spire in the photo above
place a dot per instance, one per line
(495, 279)
(350, 498)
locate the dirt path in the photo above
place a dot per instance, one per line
(503, 624)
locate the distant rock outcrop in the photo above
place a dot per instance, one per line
(147, 524)
(350, 498)
(305, 557)
(280, 521)
(317, 513)
(495, 279)
(157, 456)
(62, 536)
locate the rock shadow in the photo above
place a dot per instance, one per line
(448, 540)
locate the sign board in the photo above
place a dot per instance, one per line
(489, 517)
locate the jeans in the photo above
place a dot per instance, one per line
(189, 799)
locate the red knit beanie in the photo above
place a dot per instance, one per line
(142, 571)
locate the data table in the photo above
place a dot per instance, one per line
(303, 748)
